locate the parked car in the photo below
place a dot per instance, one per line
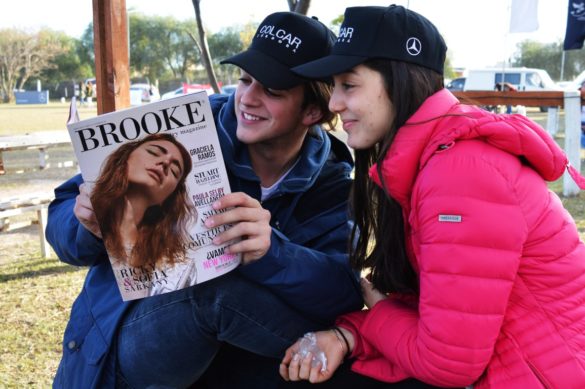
(575, 84)
(188, 88)
(148, 93)
(229, 89)
(522, 79)
(457, 84)
(173, 93)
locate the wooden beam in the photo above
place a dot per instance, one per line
(529, 99)
(110, 34)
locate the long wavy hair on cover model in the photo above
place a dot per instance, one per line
(162, 232)
(379, 225)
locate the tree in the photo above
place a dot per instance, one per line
(204, 48)
(299, 6)
(222, 45)
(25, 55)
(548, 56)
(161, 44)
(67, 65)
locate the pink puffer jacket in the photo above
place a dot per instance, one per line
(501, 266)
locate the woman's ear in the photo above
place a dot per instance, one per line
(312, 115)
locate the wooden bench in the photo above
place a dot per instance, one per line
(34, 202)
(36, 141)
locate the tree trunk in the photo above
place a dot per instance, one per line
(205, 48)
(299, 6)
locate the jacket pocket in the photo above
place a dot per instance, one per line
(84, 348)
(82, 334)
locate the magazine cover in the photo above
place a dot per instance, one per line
(154, 172)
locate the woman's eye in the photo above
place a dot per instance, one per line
(244, 80)
(152, 151)
(346, 86)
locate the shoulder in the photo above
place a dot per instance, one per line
(472, 160)
(217, 101)
(332, 186)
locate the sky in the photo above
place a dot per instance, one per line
(476, 31)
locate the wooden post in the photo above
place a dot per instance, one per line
(552, 121)
(42, 216)
(110, 30)
(572, 139)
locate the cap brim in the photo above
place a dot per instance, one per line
(271, 73)
(328, 66)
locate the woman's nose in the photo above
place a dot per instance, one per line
(165, 162)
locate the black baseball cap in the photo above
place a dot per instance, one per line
(392, 32)
(282, 41)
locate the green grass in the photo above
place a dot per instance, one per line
(22, 119)
(37, 293)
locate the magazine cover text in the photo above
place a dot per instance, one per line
(154, 172)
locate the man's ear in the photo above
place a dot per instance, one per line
(312, 115)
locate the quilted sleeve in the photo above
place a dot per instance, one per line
(467, 233)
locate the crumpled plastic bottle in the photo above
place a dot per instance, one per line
(307, 345)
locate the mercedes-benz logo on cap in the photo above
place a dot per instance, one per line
(413, 46)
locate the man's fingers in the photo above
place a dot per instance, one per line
(236, 215)
(305, 366)
(237, 199)
(293, 368)
(249, 231)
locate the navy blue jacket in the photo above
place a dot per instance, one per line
(306, 265)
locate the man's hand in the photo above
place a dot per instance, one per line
(295, 368)
(83, 210)
(251, 223)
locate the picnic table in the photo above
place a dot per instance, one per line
(40, 141)
(31, 202)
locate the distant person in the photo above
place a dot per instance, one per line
(89, 93)
(140, 200)
(290, 181)
(477, 271)
(506, 87)
(81, 94)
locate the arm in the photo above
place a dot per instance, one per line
(467, 271)
(315, 278)
(307, 264)
(73, 243)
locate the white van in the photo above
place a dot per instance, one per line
(523, 79)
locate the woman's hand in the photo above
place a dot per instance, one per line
(83, 210)
(293, 368)
(371, 295)
(251, 223)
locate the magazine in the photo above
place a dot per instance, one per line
(154, 172)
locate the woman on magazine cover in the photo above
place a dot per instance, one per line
(477, 271)
(140, 200)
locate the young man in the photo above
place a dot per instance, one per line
(290, 181)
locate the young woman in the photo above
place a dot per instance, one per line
(477, 271)
(143, 208)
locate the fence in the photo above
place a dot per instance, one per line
(571, 101)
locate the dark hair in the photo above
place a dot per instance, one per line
(319, 93)
(162, 232)
(379, 224)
